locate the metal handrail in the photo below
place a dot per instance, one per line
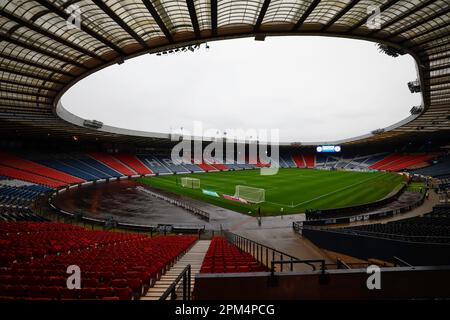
(185, 275)
(258, 250)
(308, 262)
(399, 262)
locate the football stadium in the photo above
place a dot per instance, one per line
(94, 211)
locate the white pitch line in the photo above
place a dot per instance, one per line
(327, 194)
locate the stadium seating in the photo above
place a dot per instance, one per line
(287, 159)
(85, 167)
(111, 162)
(99, 166)
(396, 161)
(439, 169)
(133, 162)
(433, 227)
(193, 167)
(168, 163)
(207, 167)
(154, 164)
(299, 161)
(112, 264)
(31, 177)
(24, 165)
(220, 166)
(15, 213)
(310, 160)
(67, 168)
(223, 257)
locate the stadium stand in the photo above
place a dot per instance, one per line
(432, 227)
(193, 167)
(31, 177)
(396, 161)
(220, 166)
(8, 213)
(133, 162)
(114, 265)
(299, 161)
(81, 165)
(223, 257)
(207, 167)
(154, 165)
(10, 160)
(73, 169)
(111, 162)
(439, 169)
(168, 163)
(98, 166)
(310, 160)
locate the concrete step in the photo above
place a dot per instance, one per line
(194, 257)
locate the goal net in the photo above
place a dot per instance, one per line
(192, 183)
(250, 194)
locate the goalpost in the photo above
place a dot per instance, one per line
(250, 194)
(192, 183)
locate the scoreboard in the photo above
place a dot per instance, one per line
(328, 149)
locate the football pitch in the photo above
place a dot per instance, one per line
(289, 191)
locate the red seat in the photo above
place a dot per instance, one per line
(104, 292)
(69, 294)
(88, 293)
(119, 283)
(123, 293)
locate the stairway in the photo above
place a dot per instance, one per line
(194, 257)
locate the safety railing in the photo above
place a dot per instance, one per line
(172, 290)
(262, 253)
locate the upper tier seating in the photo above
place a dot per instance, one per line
(111, 162)
(223, 257)
(133, 162)
(13, 161)
(113, 265)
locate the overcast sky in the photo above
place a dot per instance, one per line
(310, 88)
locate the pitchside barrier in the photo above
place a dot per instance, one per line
(345, 212)
(324, 220)
(366, 247)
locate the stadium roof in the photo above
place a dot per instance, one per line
(42, 56)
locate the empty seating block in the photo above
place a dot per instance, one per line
(134, 163)
(54, 178)
(109, 161)
(113, 265)
(223, 257)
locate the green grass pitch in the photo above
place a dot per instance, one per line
(289, 191)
